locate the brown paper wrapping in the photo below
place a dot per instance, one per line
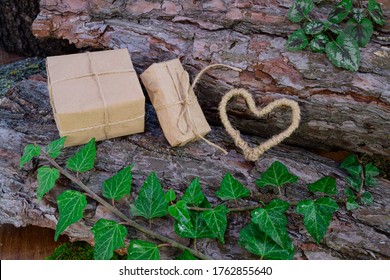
(177, 107)
(95, 95)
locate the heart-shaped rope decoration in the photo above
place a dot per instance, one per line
(252, 154)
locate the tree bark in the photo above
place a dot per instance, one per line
(340, 109)
(16, 18)
(26, 117)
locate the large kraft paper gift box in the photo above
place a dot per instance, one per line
(95, 94)
(176, 105)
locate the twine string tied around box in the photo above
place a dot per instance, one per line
(184, 91)
(96, 74)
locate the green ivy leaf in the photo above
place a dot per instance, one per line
(361, 31)
(367, 198)
(193, 194)
(197, 229)
(354, 170)
(349, 161)
(71, 205)
(109, 236)
(53, 149)
(318, 43)
(186, 255)
(335, 28)
(257, 242)
(180, 212)
(371, 170)
(231, 188)
(170, 195)
(370, 182)
(354, 182)
(325, 185)
(317, 215)
(376, 13)
(300, 10)
(205, 203)
(142, 250)
(276, 175)
(151, 202)
(297, 41)
(351, 203)
(29, 152)
(272, 221)
(340, 11)
(344, 53)
(216, 220)
(118, 185)
(84, 159)
(47, 178)
(313, 27)
(358, 14)
(349, 192)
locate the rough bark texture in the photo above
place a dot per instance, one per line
(340, 109)
(16, 18)
(26, 117)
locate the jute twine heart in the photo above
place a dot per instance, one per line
(252, 154)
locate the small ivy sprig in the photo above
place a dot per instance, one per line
(195, 218)
(340, 42)
(361, 177)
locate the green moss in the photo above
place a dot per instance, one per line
(12, 73)
(76, 251)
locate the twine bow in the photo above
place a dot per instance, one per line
(184, 90)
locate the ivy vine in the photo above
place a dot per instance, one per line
(195, 217)
(348, 27)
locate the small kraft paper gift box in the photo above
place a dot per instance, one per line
(95, 94)
(176, 105)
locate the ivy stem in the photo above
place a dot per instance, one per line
(239, 209)
(253, 207)
(362, 183)
(307, 17)
(118, 213)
